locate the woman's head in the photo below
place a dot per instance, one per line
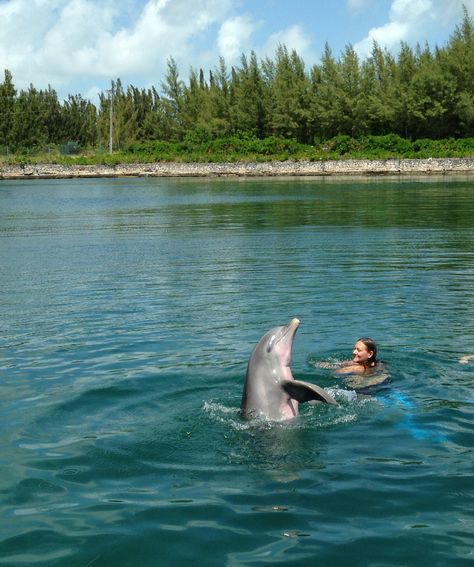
(365, 352)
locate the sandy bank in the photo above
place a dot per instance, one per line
(274, 168)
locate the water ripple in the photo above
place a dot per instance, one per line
(128, 312)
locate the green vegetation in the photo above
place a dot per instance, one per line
(417, 104)
(251, 149)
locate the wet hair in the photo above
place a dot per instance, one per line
(371, 346)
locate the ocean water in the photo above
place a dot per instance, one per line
(128, 311)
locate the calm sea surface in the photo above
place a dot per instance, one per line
(128, 310)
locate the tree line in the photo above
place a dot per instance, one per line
(419, 93)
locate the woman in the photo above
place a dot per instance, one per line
(367, 373)
(364, 358)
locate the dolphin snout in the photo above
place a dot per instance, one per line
(294, 322)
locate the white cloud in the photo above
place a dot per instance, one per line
(79, 45)
(412, 21)
(293, 37)
(57, 41)
(410, 10)
(404, 15)
(233, 37)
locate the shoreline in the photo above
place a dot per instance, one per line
(243, 169)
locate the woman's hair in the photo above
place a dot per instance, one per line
(370, 345)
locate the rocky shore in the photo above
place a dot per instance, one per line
(273, 168)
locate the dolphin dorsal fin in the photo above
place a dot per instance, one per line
(305, 392)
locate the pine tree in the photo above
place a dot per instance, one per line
(173, 89)
(457, 60)
(247, 98)
(290, 93)
(7, 110)
(325, 107)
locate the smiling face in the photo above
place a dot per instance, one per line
(361, 354)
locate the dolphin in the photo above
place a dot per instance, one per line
(270, 390)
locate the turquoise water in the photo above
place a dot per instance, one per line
(128, 310)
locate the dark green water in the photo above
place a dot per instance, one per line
(128, 310)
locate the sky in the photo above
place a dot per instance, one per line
(79, 46)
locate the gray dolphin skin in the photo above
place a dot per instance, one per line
(270, 390)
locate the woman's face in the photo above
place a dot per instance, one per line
(360, 354)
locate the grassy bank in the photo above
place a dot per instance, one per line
(244, 149)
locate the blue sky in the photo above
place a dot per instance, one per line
(78, 46)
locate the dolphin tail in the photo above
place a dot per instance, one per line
(305, 392)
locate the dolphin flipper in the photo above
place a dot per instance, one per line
(305, 392)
